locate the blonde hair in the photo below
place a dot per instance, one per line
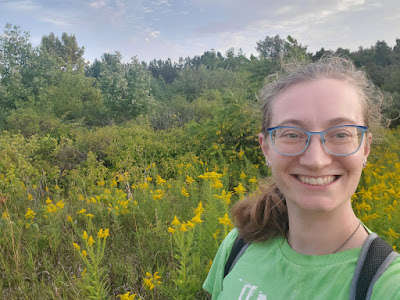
(264, 216)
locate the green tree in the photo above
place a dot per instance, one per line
(66, 50)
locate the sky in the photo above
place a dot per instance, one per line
(161, 29)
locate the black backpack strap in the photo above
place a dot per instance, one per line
(238, 248)
(375, 257)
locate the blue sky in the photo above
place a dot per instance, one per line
(160, 29)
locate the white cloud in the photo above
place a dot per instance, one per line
(24, 5)
(97, 4)
(155, 34)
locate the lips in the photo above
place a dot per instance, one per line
(322, 180)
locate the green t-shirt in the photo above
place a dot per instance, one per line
(273, 270)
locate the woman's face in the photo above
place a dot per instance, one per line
(316, 106)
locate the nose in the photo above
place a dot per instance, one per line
(315, 156)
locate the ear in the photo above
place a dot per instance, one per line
(367, 144)
(262, 139)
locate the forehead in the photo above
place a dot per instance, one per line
(318, 104)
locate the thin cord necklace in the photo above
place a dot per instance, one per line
(354, 232)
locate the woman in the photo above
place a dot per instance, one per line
(304, 236)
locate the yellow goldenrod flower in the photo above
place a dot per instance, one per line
(127, 296)
(60, 204)
(241, 153)
(149, 179)
(160, 180)
(34, 187)
(217, 184)
(48, 201)
(30, 197)
(46, 188)
(151, 280)
(184, 192)
(189, 224)
(80, 197)
(253, 180)
(76, 246)
(216, 234)
(226, 197)
(5, 215)
(85, 235)
(183, 228)
(171, 230)
(84, 253)
(189, 179)
(30, 214)
(239, 189)
(392, 233)
(56, 187)
(90, 241)
(197, 218)
(176, 222)
(69, 218)
(89, 216)
(242, 175)
(101, 183)
(82, 211)
(225, 220)
(114, 183)
(199, 209)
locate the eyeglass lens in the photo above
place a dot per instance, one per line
(341, 140)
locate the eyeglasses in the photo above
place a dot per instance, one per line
(339, 140)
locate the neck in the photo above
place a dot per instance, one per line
(325, 233)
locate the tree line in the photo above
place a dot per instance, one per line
(50, 88)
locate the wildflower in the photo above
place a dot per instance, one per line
(82, 211)
(171, 230)
(242, 175)
(89, 216)
(218, 184)
(225, 220)
(197, 218)
(216, 234)
(189, 179)
(239, 189)
(76, 246)
(101, 183)
(114, 183)
(48, 201)
(46, 188)
(183, 228)
(210, 175)
(144, 186)
(184, 192)
(90, 241)
(80, 197)
(84, 253)
(392, 233)
(60, 204)
(189, 224)
(160, 180)
(30, 197)
(158, 195)
(30, 214)
(85, 235)
(151, 280)
(176, 222)
(199, 209)
(56, 187)
(69, 218)
(83, 273)
(5, 215)
(241, 153)
(34, 187)
(226, 197)
(103, 233)
(253, 180)
(149, 179)
(127, 296)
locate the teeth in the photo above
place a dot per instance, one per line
(316, 180)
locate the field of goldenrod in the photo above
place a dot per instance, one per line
(141, 214)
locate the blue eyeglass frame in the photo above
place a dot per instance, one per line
(321, 134)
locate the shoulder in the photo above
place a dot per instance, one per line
(388, 285)
(213, 283)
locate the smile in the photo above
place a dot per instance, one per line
(323, 180)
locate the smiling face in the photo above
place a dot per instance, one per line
(316, 180)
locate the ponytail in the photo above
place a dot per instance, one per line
(262, 216)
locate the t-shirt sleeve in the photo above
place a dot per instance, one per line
(388, 286)
(213, 283)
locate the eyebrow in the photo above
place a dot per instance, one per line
(332, 122)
